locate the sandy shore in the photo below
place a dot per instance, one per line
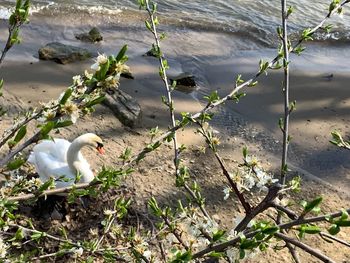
(322, 106)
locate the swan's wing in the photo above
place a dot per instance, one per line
(47, 166)
(57, 148)
(61, 149)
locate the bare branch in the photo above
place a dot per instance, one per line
(293, 252)
(63, 190)
(340, 241)
(305, 247)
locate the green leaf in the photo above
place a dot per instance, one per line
(308, 207)
(1, 85)
(48, 184)
(245, 152)
(148, 25)
(213, 97)
(241, 254)
(19, 234)
(218, 235)
(62, 124)
(334, 229)
(37, 236)
(66, 96)
(344, 223)
(249, 244)
(101, 74)
(270, 230)
(309, 229)
(45, 130)
(95, 101)
(15, 164)
(121, 53)
(153, 205)
(216, 255)
(344, 215)
(18, 4)
(20, 134)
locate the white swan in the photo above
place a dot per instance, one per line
(63, 160)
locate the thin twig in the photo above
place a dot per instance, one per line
(11, 132)
(286, 92)
(170, 104)
(174, 232)
(225, 171)
(56, 191)
(340, 241)
(165, 79)
(293, 252)
(291, 214)
(60, 253)
(105, 232)
(305, 247)
(45, 235)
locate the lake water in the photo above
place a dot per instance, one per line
(258, 19)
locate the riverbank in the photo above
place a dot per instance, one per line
(215, 59)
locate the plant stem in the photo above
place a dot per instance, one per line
(170, 103)
(167, 86)
(286, 93)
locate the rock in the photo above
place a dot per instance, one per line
(150, 53)
(94, 35)
(185, 82)
(127, 75)
(63, 54)
(124, 107)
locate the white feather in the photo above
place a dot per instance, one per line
(62, 160)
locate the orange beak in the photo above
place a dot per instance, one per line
(100, 149)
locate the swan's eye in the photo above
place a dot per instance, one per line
(100, 148)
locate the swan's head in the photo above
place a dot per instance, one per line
(92, 140)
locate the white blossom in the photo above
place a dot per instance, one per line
(147, 254)
(88, 75)
(77, 80)
(227, 191)
(72, 111)
(233, 254)
(3, 248)
(100, 60)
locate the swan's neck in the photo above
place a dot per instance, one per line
(73, 154)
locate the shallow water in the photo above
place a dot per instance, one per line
(255, 19)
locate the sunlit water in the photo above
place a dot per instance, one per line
(246, 17)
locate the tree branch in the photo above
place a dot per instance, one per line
(248, 234)
(305, 247)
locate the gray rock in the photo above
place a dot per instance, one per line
(150, 53)
(124, 107)
(185, 82)
(63, 54)
(94, 35)
(127, 75)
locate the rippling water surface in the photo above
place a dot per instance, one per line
(243, 16)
